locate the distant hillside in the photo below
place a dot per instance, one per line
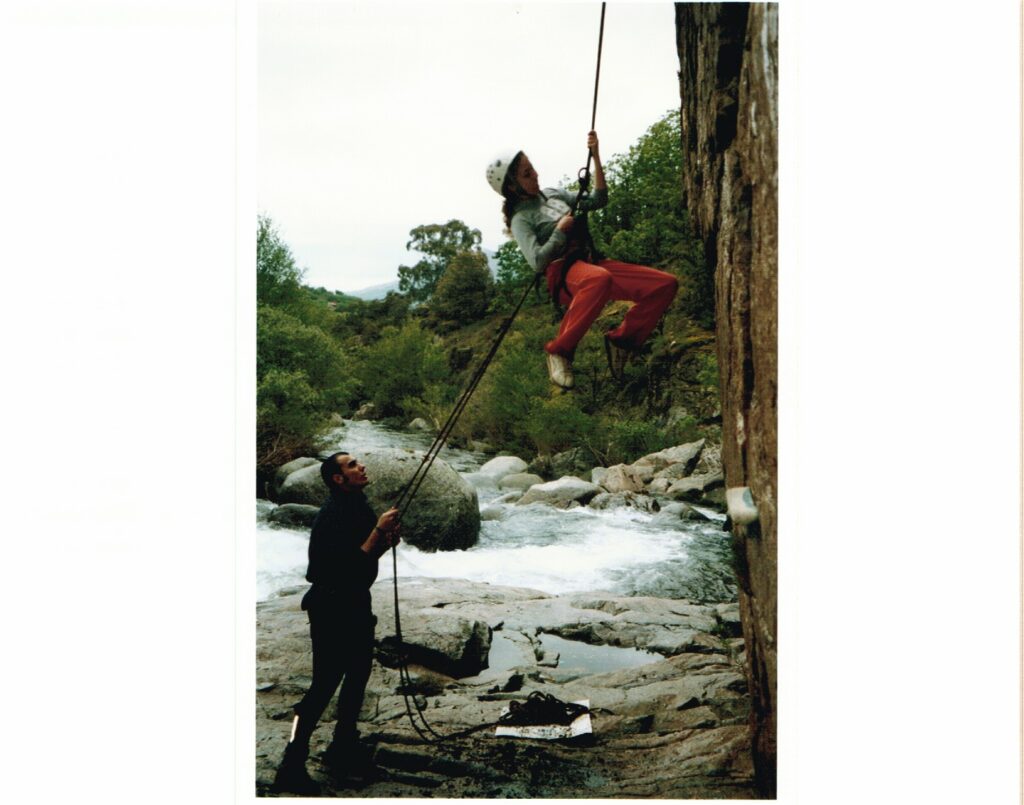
(380, 291)
(334, 299)
(374, 291)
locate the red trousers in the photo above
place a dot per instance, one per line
(590, 288)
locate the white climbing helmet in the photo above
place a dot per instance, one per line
(497, 170)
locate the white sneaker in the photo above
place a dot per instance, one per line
(560, 371)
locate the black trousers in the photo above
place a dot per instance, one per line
(342, 650)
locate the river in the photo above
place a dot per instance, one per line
(622, 551)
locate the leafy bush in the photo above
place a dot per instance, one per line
(557, 424)
(302, 377)
(512, 277)
(287, 344)
(628, 440)
(464, 290)
(278, 279)
(501, 407)
(289, 414)
(396, 370)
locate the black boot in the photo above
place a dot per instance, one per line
(347, 756)
(292, 776)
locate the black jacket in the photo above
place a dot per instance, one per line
(340, 571)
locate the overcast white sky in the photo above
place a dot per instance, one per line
(375, 118)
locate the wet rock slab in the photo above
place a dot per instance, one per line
(675, 727)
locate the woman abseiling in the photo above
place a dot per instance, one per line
(543, 226)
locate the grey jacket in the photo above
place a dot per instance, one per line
(533, 223)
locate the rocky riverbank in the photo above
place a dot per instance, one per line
(674, 727)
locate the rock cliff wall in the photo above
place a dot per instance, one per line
(728, 58)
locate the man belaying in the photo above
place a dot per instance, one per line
(558, 244)
(346, 541)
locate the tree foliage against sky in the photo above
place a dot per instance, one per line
(438, 243)
(514, 274)
(278, 279)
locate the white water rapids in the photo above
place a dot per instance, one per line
(557, 551)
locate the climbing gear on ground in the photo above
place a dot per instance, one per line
(291, 776)
(560, 371)
(541, 709)
(617, 358)
(497, 170)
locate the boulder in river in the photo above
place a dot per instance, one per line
(659, 486)
(695, 487)
(287, 469)
(672, 514)
(445, 514)
(520, 480)
(296, 515)
(620, 478)
(572, 462)
(497, 468)
(561, 493)
(616, 500)
(419, 423)
(366, 411)
(686, 454)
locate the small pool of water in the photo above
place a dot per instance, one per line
(574, 657)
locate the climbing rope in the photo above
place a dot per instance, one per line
(404, 500)
(584, 173)
(585, 243)
(542, 703)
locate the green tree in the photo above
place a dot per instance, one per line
(302, 377)
(438, 243)
(396, 371)
(558, 424)
(289, 414)
(363, 320)
(464, 291)
(278, 279)
(513, 275)
(501, 408)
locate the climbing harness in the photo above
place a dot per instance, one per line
(584, 248)
(541, 702)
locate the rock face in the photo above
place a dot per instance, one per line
(445, 514)
(728, 81)
(674, 727)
